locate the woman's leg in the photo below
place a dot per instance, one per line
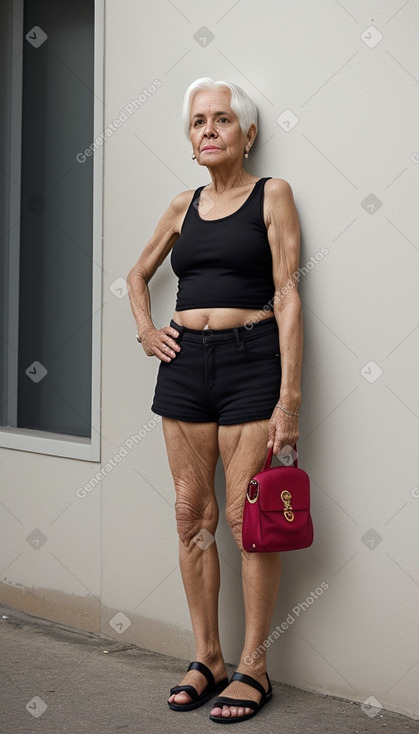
(243, 450)
(192, 450)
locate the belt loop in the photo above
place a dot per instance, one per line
(181, 330)
(237, 337)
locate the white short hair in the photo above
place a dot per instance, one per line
(240, 103)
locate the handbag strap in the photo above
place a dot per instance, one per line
(268, 460)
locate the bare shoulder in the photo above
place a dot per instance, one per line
(278, 200)
(277, 188)
(178, 208)
(182, 201)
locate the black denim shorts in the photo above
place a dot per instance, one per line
(225, 375)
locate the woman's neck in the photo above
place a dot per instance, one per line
(223, 180)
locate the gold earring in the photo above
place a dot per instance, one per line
(193, 157)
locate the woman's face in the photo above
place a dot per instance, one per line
(214, 128)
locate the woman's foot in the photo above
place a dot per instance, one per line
(241, 691)
(198, 680)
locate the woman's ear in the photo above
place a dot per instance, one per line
(251, 134)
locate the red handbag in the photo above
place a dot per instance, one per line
(276, 513)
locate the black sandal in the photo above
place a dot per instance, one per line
(241, 703)
(197, 699)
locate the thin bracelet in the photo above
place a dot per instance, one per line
(288, 412)
(139, 338)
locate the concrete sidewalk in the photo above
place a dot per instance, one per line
(55, 679)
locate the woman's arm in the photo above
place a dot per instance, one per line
(284, 238)
(154, 253)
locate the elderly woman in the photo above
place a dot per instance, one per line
(229, 376)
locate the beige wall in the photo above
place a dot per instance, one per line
(115, 550)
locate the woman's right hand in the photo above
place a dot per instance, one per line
(160, 343)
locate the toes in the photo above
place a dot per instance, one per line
(235, 711)
(232, 712)
(182, 697)
(217, 711)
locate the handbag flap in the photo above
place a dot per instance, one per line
(274, 482)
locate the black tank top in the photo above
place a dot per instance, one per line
(227, 262)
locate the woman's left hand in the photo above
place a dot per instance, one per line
(283, 430)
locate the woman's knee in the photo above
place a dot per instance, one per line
(195, 509)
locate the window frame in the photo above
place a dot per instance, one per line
(24, 439)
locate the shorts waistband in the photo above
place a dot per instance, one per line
(237, 332)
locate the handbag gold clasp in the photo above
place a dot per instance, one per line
(286, 498)
(253, 483)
